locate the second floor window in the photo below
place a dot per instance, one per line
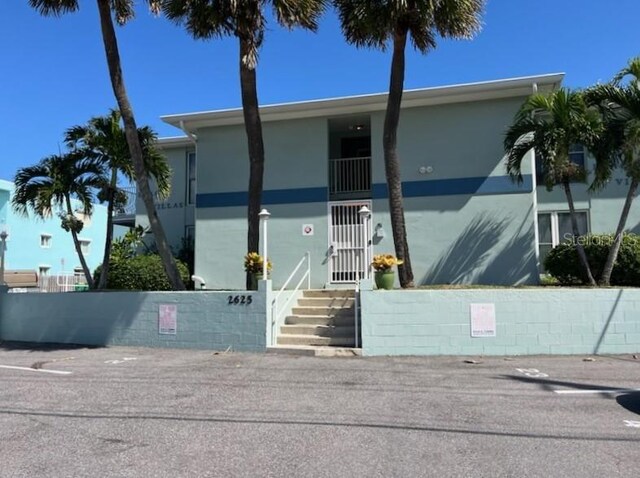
(45, 241)
(576, 156)
(191, 178)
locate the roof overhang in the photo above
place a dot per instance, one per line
(174, 142)
(487, 90)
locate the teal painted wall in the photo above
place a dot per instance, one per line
(529, 322)
(23, 249)
(175, 212)
(205, 319)
(454, 239)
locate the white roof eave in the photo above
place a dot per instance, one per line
(480, 91)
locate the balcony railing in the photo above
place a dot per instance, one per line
(349, 177)
(129, 207)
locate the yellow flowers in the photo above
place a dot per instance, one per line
(384, 262)
(253, 262)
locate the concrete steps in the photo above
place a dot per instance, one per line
(322, 318)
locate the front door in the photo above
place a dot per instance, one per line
(349, 241)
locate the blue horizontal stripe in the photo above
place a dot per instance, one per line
(480, 186)
(271, 196)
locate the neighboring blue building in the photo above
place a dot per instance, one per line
(42, 245)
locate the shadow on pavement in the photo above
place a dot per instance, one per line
(293, 422)
(630, 401)
(44, 347)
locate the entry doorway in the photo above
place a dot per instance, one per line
(350, 243)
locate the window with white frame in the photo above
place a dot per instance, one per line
(45, 241)
(555, 228)
(576, 156)
(191, 177)
(85, 246)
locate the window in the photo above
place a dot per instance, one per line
(555, 228)
(576, 156)
(45, 241)
(85, 218)
(190, 233)
(85, 246)
(191, 178)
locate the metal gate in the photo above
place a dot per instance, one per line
(349, 241)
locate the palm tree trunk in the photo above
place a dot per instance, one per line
(607, 270)
(576, 234)
(253, 127)
(76, 243)
(104, 272)
(392, 161)
(131, 131)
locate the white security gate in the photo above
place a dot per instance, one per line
(349, 241)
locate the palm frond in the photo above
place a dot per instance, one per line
(54, 8)
(632, 69)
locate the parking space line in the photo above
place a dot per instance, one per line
(595, 391)
(29, 369)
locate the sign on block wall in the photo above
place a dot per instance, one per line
(483, 320)
(168, 319)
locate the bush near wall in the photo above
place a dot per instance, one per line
(143, 272)
(563, 262)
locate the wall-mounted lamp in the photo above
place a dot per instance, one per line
(3, 241)
(379, 231)
(425, 169)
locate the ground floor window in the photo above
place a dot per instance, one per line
(555, 228)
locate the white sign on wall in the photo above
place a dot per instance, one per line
(483, 320)
(307, 229)
(168, 319)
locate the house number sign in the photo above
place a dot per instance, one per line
(239, 300)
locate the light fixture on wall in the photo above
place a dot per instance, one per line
(425, 169)
(379, 231)
(358, 127)
(3, 241)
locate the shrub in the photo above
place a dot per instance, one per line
(563, 262)
(144, 272)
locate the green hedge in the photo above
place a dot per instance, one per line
(144, 272)
(563, 262)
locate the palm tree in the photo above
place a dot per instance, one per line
(51, 185)
(205, 19)
(619, 104)
(124, 11)
(103, 140)
(550, 124)
(366, 23)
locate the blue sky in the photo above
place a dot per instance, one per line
(53, 72)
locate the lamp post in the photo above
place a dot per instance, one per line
(365, 215)
(264, 217)
(3, 242)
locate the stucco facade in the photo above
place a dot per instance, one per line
(42, 245)
(467, 221)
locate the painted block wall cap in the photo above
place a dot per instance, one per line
(484, 90)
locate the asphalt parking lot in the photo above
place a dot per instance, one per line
(170, 413)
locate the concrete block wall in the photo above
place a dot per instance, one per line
(528, 322)
(205, 320)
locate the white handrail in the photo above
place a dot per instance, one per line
(275, 310)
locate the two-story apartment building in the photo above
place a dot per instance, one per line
(467, 221)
